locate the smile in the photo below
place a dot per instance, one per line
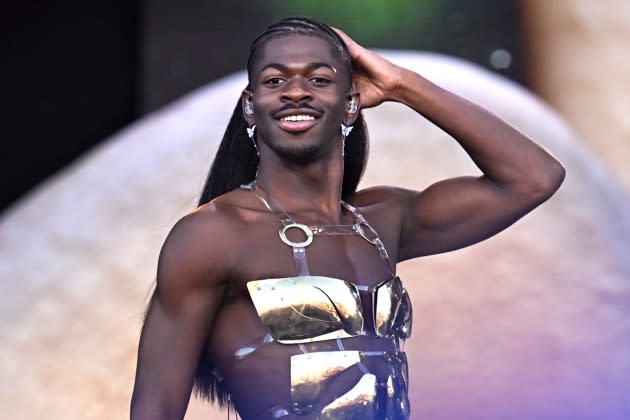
(296, 121)
(297, 118)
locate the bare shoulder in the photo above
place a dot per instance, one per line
(385, 208)
(382, 198)
(198, 251)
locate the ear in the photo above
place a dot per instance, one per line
(353, 106)
(248, 106)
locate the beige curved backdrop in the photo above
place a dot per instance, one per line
(531, 324)
(579, 62)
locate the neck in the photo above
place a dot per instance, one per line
(314, 187)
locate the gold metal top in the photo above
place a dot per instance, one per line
(311, 372)
(307, 308)
(392, 310)
(358, 403)
(314, 308)
(315, 377)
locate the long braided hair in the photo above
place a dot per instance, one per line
(236, 162)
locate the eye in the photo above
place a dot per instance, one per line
(273, 81)
(319, 80)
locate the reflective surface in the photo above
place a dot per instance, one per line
(392, 310)
(314, 308)
(396, 404)
(358, 403)
(367, 399)
(307, 232)
(404, 317)
(304, 309)
(307, 308)
(311, 372)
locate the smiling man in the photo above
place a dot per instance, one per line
(278, 294)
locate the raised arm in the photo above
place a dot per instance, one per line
(518, 174)
(181, 312)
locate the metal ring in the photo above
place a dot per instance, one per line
(307, 231)
(359, 227)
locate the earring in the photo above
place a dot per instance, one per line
(352, 106)
(345, 130)
(249, 107)
(250, 134)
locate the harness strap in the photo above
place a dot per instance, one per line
(360, 227)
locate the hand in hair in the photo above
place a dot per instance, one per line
(375, 78)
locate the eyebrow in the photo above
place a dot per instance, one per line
(309, 67)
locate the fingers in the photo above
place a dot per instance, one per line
(353, 47)
(343, 35)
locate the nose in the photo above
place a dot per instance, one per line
(296, 90)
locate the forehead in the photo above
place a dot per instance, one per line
(298, 49)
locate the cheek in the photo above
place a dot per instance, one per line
(335, 103)
(339, 112)
(262, 108)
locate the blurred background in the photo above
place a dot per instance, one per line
(111, 114)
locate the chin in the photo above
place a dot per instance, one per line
(300, 154)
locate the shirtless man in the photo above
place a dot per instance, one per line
(280, 297)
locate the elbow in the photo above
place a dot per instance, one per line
(555, 177)
(547, 182)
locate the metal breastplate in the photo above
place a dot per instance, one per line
(314, 308)
(305, 308)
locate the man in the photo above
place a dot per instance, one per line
(280, 297)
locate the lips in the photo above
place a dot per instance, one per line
(297, 120)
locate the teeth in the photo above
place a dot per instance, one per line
(298, 118)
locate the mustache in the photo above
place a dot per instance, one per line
(303, 105)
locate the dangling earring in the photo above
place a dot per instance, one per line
(345, 130)
(250, 134)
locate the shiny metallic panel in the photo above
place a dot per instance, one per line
(404, 318)
(310, 373)
(390, 387)
(356, 404)
(397, 405)
(387, 300)
(307, 308)
(397, 402)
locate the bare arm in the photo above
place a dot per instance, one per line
(517, 175)
(182, 309)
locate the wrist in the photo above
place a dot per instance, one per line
(409, 87)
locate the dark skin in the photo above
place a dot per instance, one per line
(201, 295)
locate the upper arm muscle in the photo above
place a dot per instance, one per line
(458, 212)
(182, 308)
